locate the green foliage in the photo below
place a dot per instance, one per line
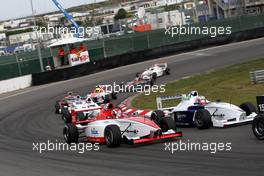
(121, 14)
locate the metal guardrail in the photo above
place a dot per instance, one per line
(257, 77)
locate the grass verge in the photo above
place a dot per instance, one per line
(231, 84)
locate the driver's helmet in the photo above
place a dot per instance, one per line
(117, 113)
(89, 100)
(69, 94)
(194, 93)
(97, 89)
(197, 101)
(78, 97)
(203, 100)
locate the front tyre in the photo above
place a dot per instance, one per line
(202, 119)
(156, 116)
(70, 133)
(154, 75)
(167, 71)
(166, 124)
(57, 107)
(66, 116)
(112, 135)
(258, 126)
(248, 108)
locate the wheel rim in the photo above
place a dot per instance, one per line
(198, 120)
(109, 137)
(259, 129)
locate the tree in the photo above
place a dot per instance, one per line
(121, 14)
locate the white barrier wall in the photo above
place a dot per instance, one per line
(15, 83)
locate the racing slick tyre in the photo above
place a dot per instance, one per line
(202, 119)
(70, 133)
(112, 135)
(57, 107)
(157, 116)
(258, 126)
(66, 116)
(167, 123)
(154, 76)
(167, 71)
(113, 96)
(106, 99)
(248, 108)
(152, 82)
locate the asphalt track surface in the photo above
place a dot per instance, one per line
(27, 116)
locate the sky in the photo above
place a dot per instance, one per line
(10, 9)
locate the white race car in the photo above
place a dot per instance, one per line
(114, 128)
(195, 110)
(80, 104)
(155, 71)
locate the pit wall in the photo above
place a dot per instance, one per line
(15, 84)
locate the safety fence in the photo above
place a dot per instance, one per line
(28, 62)
(257, 77)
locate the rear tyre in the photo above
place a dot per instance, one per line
(202, 119)
(167, 71)
(154, 75)
(66, 116)
(112, 135)
(248, 108)
(70, 133)
(258, 126)
(57, 107)
(152, 82)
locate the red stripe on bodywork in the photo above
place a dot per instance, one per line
(96, 139)
(166, 136)
(144, 112)
(145, 121)
(131, 111)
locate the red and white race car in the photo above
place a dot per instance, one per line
(112, 127)
(101, 95)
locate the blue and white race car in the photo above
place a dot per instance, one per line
(195, 110)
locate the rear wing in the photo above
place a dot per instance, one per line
(164, 98)
(162, 65)
(260, 103)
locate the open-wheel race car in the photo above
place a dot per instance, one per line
(195, 110)
(66, 102)
(112, 127)
(258, 122)
(101, 95)
(81, 104)
(155, 71)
